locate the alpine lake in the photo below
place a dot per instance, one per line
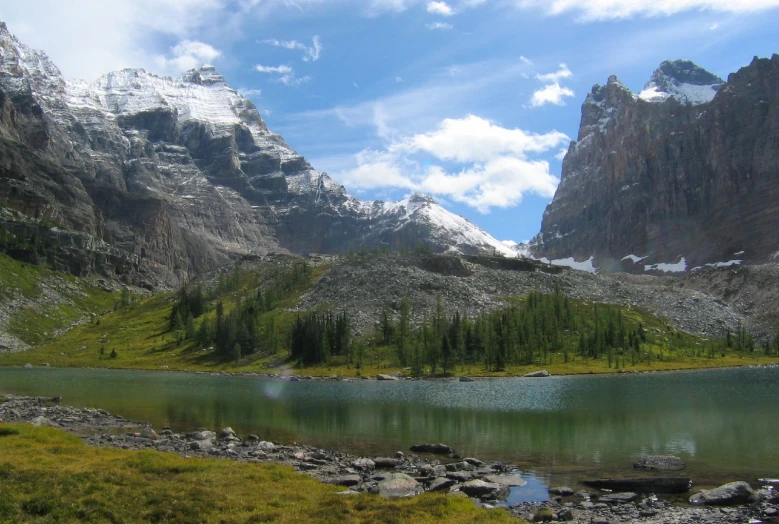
(723, 423)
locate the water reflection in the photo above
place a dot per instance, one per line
(717, 421)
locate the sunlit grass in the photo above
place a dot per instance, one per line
(50, 476)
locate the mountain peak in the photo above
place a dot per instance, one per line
(682, 80)
(205, 75)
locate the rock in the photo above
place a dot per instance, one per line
(485, 490)
(149, 434)
(460, 466)
(202, 435)
(381, 376)
(345, 480)
(28, 365)
(42, 421)
(726, 495)
(268, 447)
(363, 464)
(201, 445)
(441, 483)
(660, 462)
(432, 471)
(542, 373)
(506, 480)
(563, 491)
(459, 476)
(227, 432)
(565, 514)
(435, 449)
(466, 379)
(643, 484)
(473, 461)
(252, 438)
(397, 485)
(618, 498)
(544, 515)
(387, 463)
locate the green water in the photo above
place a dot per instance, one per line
(723, 423)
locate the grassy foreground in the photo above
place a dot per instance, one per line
(50, 476)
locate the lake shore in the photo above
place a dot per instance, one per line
(404, 475)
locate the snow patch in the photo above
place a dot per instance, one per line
(684, 93)
(739, 253)
(679, 267)
(586, 265)
(634, 258)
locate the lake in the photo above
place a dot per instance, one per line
(723, 423)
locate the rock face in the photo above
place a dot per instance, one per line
(681, 175)
(178, 175)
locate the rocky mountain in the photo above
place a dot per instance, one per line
(682, 175)
(162, 178)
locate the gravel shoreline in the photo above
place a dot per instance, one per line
(403, 475)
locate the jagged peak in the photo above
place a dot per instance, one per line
(421, 198)
(205, 75)
(682, 80)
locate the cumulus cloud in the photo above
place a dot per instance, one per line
(440, 8)
(310, 53)
(558, 75)
(188, 54)
(469, 160)
(551, 94)
(284, 74)
(590, 10)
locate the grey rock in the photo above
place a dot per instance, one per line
(226, 432)
(345, 480)
(202, 435)
(441, 483)
(387, 463)
(398, 485)
(466, 379)
(436, 449)
(618, 498)
(363, 464)
(149, 433)
(485, 490)
(268, 447)
(381, 376)
(563, 491)
(506, 480)
(726, 495)
(201, 445)
(459, 476)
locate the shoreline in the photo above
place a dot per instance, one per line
(406, 474)
(300, 377)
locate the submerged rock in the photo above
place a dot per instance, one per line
(661, 463)
(436, 449)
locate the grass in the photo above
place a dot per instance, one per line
(140, 335)
(50, 476)
(36, 324)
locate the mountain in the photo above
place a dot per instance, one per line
(159, 178)
(681, 176)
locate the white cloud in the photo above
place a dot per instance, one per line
(590, 10)
(551, 94)
(249, 92)
(558, 75)
(439, 26)
(561, 154)
(525, 60)
(310, 53)
(475, 161)
(398, 80)
(188, 54)
(714, 27)
(440, 8)
(286, 75)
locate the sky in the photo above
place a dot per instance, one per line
(471, 101)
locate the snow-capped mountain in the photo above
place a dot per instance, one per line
(680, 176)
(183, 174)
(682, 80)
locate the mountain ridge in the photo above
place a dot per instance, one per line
(184, 174)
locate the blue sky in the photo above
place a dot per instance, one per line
(469, 100)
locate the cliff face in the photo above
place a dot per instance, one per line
(181, 175)
(686, 173)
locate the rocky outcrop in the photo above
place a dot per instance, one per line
(680, 176)
(183, 175)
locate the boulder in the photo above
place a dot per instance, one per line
(541, 373)
(466, 379)
(149, 433)
(725, 495)
(41, 421)
(484, 490)
(381, 376)
(227, 432)
(387, 463)
(201, 445)
(506, 480)
(618, 498)
(660, 463)
(563, 491)
(460, 466)
(435, 449)
(460, 476)
(202, 435)
(397, 485)
(643, 484)
(363, 463)
(268, 447)
(441, 483)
